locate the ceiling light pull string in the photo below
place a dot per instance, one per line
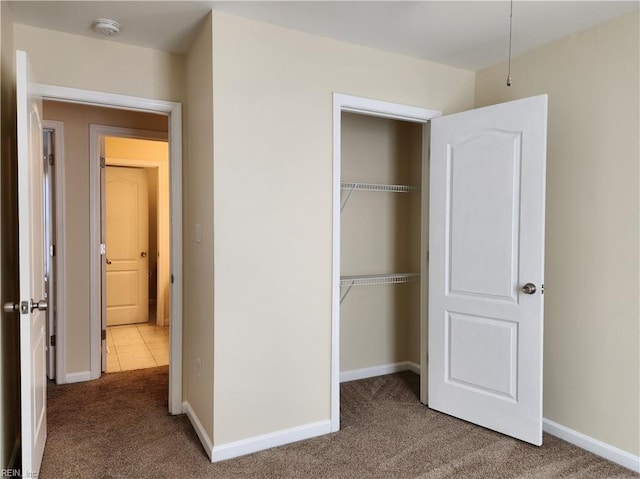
(510, 32)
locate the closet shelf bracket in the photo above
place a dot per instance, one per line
(369, 279)
(351, 186)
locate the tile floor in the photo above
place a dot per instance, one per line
(137, 346)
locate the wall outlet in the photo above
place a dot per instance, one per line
(198, 368)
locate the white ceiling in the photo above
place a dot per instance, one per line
(470, 35)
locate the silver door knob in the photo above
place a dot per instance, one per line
(41, 305)
(11, 307)
(529, 288)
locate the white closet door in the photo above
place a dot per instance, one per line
(487, 188)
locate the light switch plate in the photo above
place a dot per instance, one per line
(198, 232)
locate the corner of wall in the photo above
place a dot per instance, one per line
(198, 323)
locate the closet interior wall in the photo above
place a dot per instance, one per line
(380, 233)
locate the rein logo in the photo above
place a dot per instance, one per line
(17, 473)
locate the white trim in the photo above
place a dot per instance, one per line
(77, 377)
(174, 112)
(111, 100)
(370, 107)
(383, 109)
(206, 441)
(272, 439)
(593, 445)
(424, 265)
(413, 367)
(61, 275)
(97, 133)
(374, 371)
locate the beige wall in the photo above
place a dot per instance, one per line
(198, 209)
(272, 186)
(592, 336)
(380, 233)
(9, 323)
(76, 119)
(77, 61)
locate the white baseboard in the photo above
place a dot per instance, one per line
(364, 373)
(413, 367)
(590, 444)
(206, 441)
(267, 441)
(78, 377)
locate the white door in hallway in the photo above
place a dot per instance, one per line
(486, 266)
(127, 240)
(33, 303)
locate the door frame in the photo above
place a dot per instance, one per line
(173, 110)
(395, 111)
(97, 205)
(60, 277)
(162, 213)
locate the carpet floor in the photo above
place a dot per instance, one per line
(118, 427)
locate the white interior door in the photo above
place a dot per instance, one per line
(31, 257)
(486, 266)
(127, 233)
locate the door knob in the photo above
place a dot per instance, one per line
(41, 305)
(529, 288)
(11, 307)
(108, 261)
(143, 254)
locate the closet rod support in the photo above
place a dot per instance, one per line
(346, 200)
(347, 291)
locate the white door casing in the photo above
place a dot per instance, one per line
(127, 240)
(486, 242)
(174, 112)
(366, 106)
(31, 258)
(50, 264)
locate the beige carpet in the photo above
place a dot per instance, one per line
(119, 427)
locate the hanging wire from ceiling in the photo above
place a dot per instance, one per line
(509, 82)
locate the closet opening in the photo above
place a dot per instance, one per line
(380, 242)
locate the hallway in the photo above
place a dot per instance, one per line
(137, 346)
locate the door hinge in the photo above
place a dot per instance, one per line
(52, 250)
(51, 159)
(52, 340)
(103, 162)
(103, 249)
(171, 279)
(103, 334)
(542, 289)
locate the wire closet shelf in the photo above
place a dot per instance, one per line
(371, 279)
(353, 186)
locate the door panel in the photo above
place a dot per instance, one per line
(487, 242)
(483, 177)
(32, 268)
(127, 233)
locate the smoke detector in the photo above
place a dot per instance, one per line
(106, 26)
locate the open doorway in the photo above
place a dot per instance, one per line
(136, 236)
(79, 256)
